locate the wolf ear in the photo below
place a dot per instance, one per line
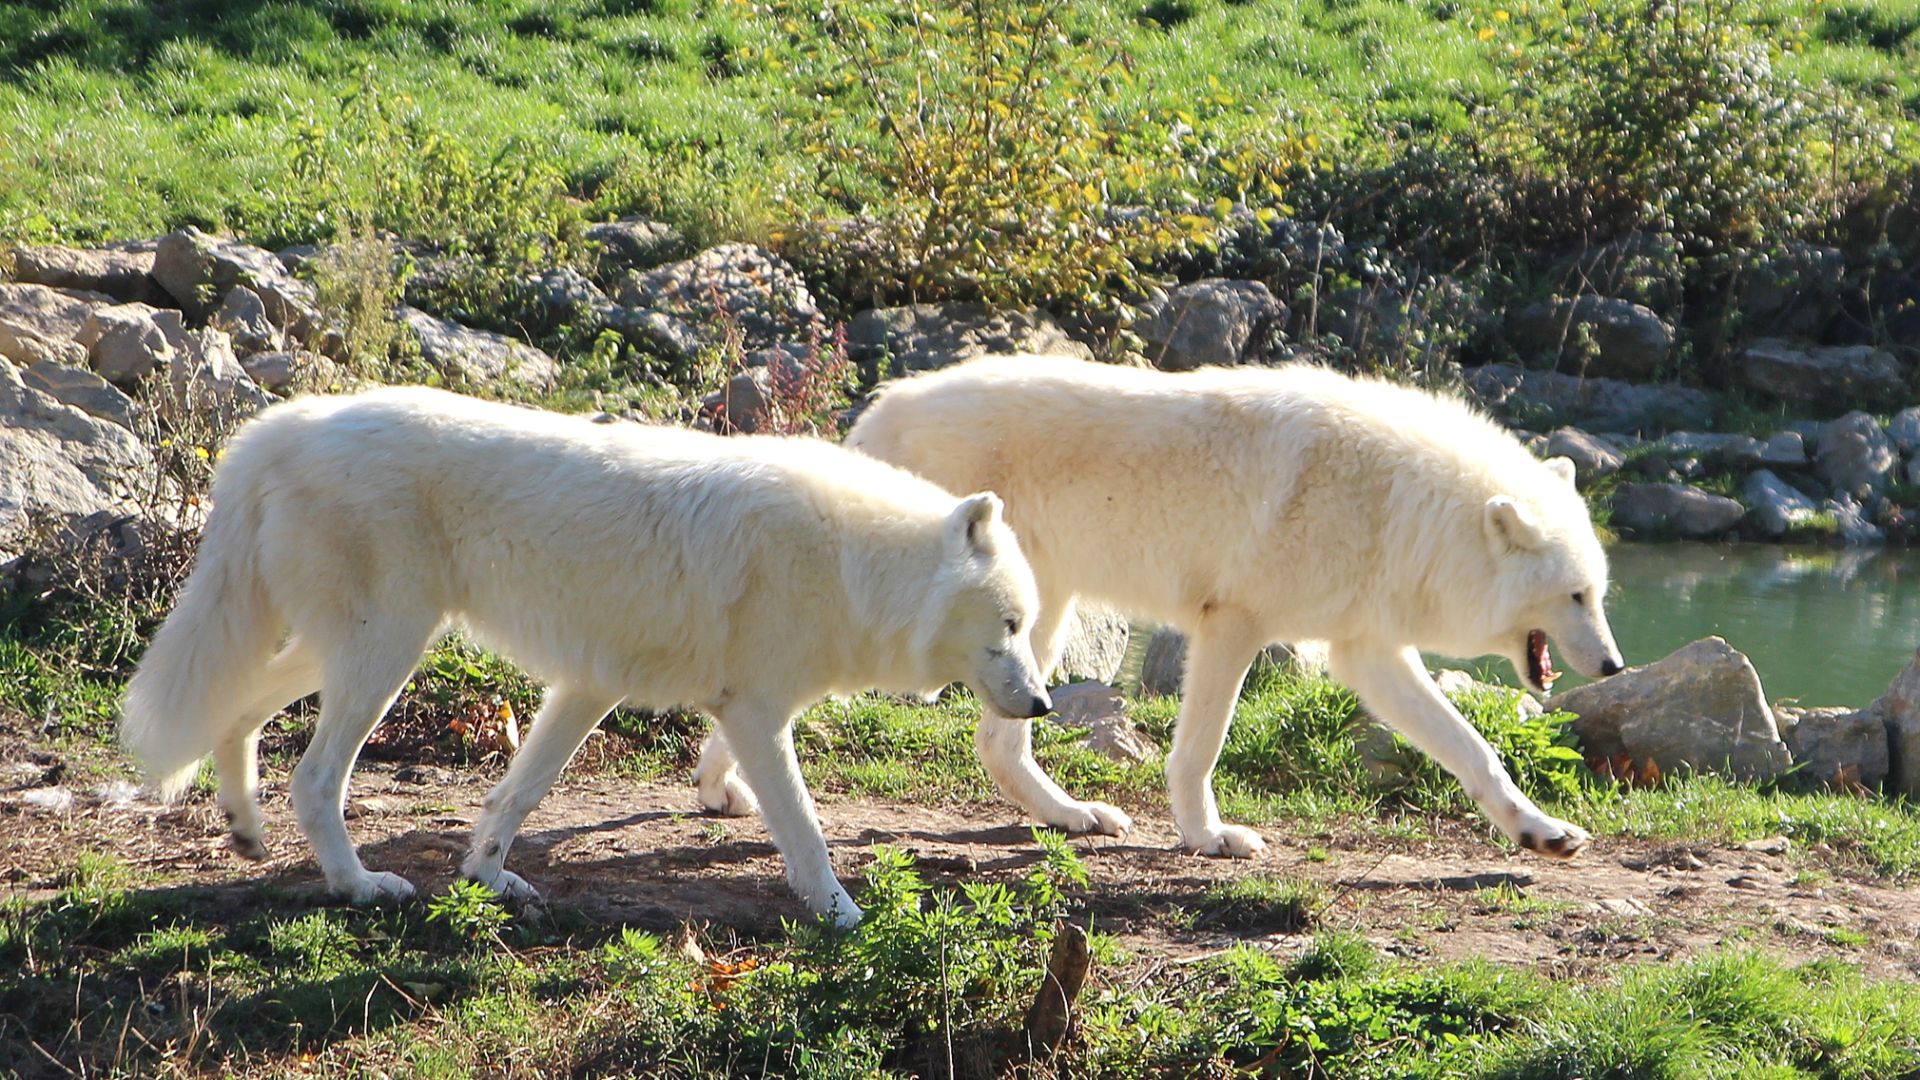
(1510, 526)
(972, 522)
(1561, 467)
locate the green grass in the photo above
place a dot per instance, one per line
(121, 119)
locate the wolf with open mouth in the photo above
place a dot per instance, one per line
(1251, 505)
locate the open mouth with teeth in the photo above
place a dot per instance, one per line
(1539, 662)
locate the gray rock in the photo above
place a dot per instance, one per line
(199, 270)
(60, 465)
(477, 356)
(1898, 711)
(243, 315)
(1164, 667)
(1741, 450)
(1595, 404)
(126, 342)
(1099, 708)
(1854, 455)
(122, 271)
(743, 405)
(1904, 429)
(633, 243)
(23, 346)
(83, 390)
(276, 371)
(656, 331)
(1851, 523)
(728, 291)
(1701, 709)
(1212, 321)
(1096, 644)
(564, 294)
(47, 312)
(1674, 510)
(1629, 341)
(922, 337)
(1836, 747)
(1785, 449)
(1794, 289)
(1775, 505)
(1822, 376)
(1593, 456)
(205, 377)
(1119, 740)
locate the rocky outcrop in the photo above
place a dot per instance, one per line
(1898, 711)
(1595, 404)
(1701, 709)
(1843, 749)
(1213, 321)
(26, 347)
(199, 271)
(1628, 341)
(60, 465)
(477, 355)
(122, 271)
(1820, 376)
(922, 337)
(46, 312)
(1674, 510)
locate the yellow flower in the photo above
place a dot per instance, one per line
(1500, 15)
(1485, 33)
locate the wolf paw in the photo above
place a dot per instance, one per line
(376, 887)
(1227, 842)
(1553, 838)
(1097, 818)
(251, 848)
(513, 889)
(728, 797)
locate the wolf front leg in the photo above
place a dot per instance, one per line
(1393, 684)
(1005, 747)
(761, 739)
(1219, 650)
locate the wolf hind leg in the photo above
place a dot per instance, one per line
(292, 674)
(722, 789)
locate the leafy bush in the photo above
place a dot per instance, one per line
(1676, 117)
(999, 159)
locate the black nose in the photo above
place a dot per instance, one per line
(1040, 706)
(1610, 666)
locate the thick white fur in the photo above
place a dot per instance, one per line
(746, 576)
(1252, 505)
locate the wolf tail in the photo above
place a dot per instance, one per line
(221, 633)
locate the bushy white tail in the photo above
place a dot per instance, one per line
(195, 676)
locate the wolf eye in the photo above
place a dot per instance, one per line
(1013, 626)
(1580, 598)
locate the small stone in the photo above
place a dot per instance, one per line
(1772, 845)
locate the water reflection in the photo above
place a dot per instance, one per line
(1827, 626)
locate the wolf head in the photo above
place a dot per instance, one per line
(978, 624)
(1550, 581)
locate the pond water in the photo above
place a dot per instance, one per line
(1828, 626)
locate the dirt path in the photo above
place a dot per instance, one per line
(636, 852)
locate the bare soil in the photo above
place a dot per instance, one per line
(616, 850)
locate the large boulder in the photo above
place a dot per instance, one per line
(126, 342)
(1820, 376)
(1784, 449)
(47, 312)
(83, 390)
(1854, 455)
(1212, 321)
(1628, 341)
(1699, 709)
(1096, 644)
(921, 337)
(1593, 456)
(243, 315)
(477, 356)
(123, 271)
(1904, 429)
(1898, 711)
(1674, 510)
(199, 271)
(59, 465)
(23, 346)
(1774, 504)
(633, 243)
(205, 378)
(1850, 522)
(1164, 666)
(731, 292)
(1595, 404)
(1837, 747)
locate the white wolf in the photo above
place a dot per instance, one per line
(1251, 505)
(747, 576)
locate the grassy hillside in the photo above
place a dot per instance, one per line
(120, 119)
